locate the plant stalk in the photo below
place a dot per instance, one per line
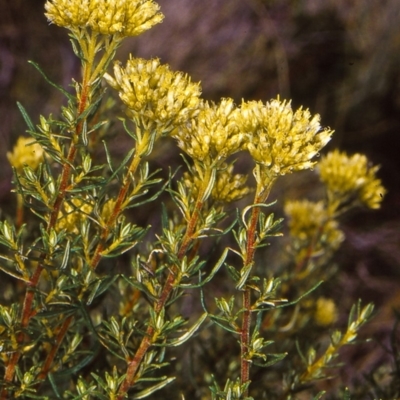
(27, 312)
(260, 197)
(168, 287)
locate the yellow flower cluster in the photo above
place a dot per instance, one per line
(157, 97)
(213, 135)
(26, 152)
(78, 209)
(73, 214)
(350, 178)
(309, 221)
(326, 312)
(279, 138)
(109, 17)
(228, 187)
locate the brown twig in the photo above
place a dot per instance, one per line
(246, 320)
(27, 312)
(147, 341)
(117, 210)
(52, 353)
(260, 197)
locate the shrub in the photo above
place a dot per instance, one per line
(93, 303)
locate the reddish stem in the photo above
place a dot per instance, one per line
(169, 285)
(116, 212)
(27, 312)
(246, 320)
(52, 353)
(261, 197)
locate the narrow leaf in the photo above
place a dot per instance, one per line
(244, 274)
(66, 255)
(25, 115)
(58, 87)
(190, 332)
(212, 273)
(146, 392)
(302, 296)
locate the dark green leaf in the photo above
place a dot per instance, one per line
(25, 115)
(58, 87)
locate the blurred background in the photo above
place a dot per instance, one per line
(339, 58)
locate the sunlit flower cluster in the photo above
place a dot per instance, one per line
(213, 135)
(109, 17)
(350, 178)
(26, 152)
(310, 222)
(326, 312)
(73, 214)
(228, 186)
(154, 95)
(78, 209)
(279, 138)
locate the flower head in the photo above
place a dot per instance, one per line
(228, 187)
(26, 152)
(279, 138)
(109, 17)
(350, 178)
(155, 95)
(212, 135)
(325, 312)
(74, 213)
(310, 222)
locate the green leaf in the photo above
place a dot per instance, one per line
(320, 394)
(248, 208)
(244, 274)
(25, 115)
(147, 392)
(53, 384)
(216, 320)
(91, 355)
(233, 273)
(115, 173)
(346, 394)
(149, 199)
(164, 217)
(127, 130)
(186, 336)
(216, 268)
(108, 156)
(58, 87)
(12, 273)
(273, 359)
(290, 303)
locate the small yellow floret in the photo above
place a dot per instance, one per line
(25, 152)
(279, 138)
(350, 178)
(326, 312)
(109, 17)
